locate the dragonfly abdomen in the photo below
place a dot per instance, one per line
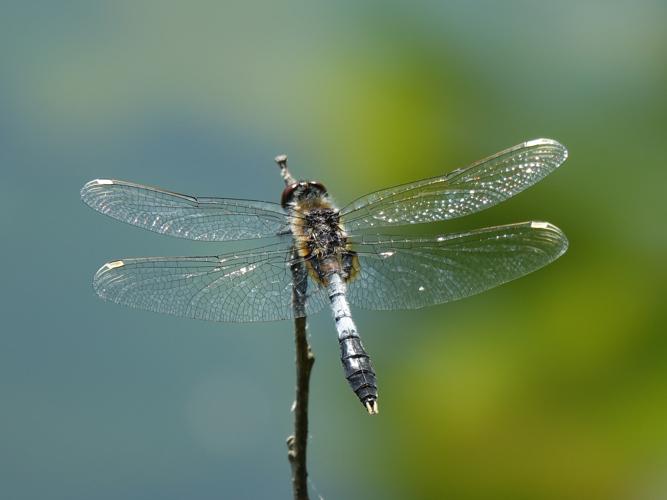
(357, 364)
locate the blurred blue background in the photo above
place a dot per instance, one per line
(551, 387)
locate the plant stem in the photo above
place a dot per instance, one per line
(298, 442)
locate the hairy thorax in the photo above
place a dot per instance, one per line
(321, 240)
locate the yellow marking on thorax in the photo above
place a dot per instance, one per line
(298, 226)
(297, 222)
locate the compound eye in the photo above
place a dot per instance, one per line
(319, 186)
(288, 194)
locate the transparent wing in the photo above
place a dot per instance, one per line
(248, 286)
(461, 192)
(409, 273)
(205, 219)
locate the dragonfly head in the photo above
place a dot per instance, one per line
(302, 191)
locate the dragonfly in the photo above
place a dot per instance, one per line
(317, 255)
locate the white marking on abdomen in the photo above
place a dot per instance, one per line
(357, 365)
(341, 309)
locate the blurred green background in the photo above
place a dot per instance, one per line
(551, 387)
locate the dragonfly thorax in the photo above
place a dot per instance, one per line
(324, 236)
(319, 236)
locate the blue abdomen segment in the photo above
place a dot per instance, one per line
(357, 364)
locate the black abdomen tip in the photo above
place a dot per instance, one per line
(359, 372)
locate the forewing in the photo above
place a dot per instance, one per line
(248, 286)
(165, 212)
(461, 192)
(409, 273)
